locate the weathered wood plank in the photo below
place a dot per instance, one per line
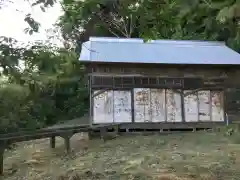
(166, 125)
(40, 135)
(45, 130)
(164, 70)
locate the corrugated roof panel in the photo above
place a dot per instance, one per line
(85, 52)
(160, 51)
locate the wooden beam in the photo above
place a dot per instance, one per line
(199, 89)
(102, 74)
(192, 92)
(40, 135)
(177, 91)
(116, 75)
(100, 92)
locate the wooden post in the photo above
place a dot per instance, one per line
(67, 143)
(224, 99)
(210, 105)
(165, 105)
(182, 106)
(2, 149)
(53, 142)
(66, 138)
(238, 127)
(1, 160)
(93, 135)
(103, 132)
(132, 105)
(90, 135)
(116, 129)
(91, 101)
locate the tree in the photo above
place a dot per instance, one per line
(212, 19)
(166, 19)
(50, 87)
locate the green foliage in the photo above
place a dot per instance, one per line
(13, 106)
(166, 19)
(49, 88)
(33, 25)
(9, 56)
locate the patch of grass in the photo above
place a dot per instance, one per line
(182, 156)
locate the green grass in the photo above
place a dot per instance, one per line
(185, 156)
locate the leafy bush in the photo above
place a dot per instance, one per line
(14, 105)
(49, 89)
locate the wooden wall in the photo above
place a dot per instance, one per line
(157, 105)
(163, 70)
(149, 104)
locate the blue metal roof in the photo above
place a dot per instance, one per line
(158, 51)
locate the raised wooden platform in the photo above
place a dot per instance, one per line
(164, 126)
(64, 131)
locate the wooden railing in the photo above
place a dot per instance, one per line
(66, 132)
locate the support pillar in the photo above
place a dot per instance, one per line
(103, 132)
(182, 106)
(2, 149)
(53, 142)
(67, 138)
(90, 135)
(116, 129)
(238, 127)
(67, 144)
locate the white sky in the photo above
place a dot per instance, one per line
(13, 25)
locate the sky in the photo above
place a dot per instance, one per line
(13, 25)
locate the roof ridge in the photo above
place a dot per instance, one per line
(158, 41)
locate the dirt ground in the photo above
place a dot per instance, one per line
(181, 156)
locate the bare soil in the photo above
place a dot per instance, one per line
(182, 156)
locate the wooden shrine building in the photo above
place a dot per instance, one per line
(164, 83)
